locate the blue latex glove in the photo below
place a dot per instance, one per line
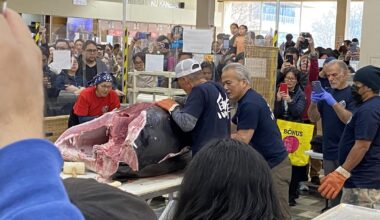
(316, 97)
(328, 98)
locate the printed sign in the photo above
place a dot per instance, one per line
(197, 41)
(296, 138)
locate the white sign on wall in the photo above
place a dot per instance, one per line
(197, 41)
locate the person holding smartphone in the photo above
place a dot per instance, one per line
(335, 108)
(359, 147)
(290, 99)
(291, 58)
(290, 104)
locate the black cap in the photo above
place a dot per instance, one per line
(98, 201)
(369, 76)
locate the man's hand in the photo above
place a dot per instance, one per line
(167, 104)
(20, 67)
(316, 97)
(333, 183)
(298, 42)
(311, 44)
(328, 98)
(285, 65)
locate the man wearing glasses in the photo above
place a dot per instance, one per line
(359, 147)
(89, 65)
(335, 108)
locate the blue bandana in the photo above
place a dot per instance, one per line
(101, 77)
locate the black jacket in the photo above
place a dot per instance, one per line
(295, 108)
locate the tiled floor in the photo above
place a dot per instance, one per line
(309, 206)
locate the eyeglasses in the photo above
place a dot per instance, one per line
(138, 62)
(61, 48)
(290, 79)
(91, 51)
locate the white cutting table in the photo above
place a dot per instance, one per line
(349, 212)
(146, 188)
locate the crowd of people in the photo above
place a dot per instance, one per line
(248, 172)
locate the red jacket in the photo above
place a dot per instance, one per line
(313, 75)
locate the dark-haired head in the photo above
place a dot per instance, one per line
(139, 61)
(227, 179)
(206, 64)
(184, 56)
(293, 70)
(207, 69)
(116, 46)
(61, 44)
(244, 26)
(140, 55)
(289, 37)
(89, 42)
(79, 40)
(292, 50)
(234, 25)
(162, 38)
(347, 43)
(291, 73)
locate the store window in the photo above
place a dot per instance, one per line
(290, 16)
(189, 4)
(247, 13)
(319, 19)
(316, 17)
(355, 20)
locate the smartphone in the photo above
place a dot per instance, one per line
(289, 58)
(226, 43)
(284, 87)
(143, 35)
(317, 87)
(353, 48)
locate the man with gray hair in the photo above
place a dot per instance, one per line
(206, 111)
(257, 126)
(335, 108)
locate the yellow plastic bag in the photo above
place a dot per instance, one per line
(296, 138)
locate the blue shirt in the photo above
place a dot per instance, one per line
(64, 79)
(253, 112)
(31, 187)
(208, 102)
(332, 126)
(364, 125)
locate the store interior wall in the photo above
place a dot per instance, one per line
(369, 45)
(109, 10)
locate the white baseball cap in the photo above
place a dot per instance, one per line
(187, 67)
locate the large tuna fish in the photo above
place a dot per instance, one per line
(141, 138)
